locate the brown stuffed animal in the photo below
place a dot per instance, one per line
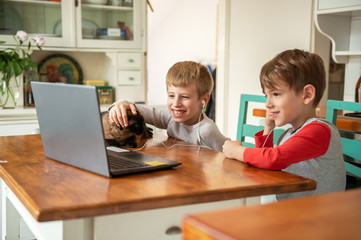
(128, 136)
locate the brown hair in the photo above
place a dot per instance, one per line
(297, 68)
(187, 72)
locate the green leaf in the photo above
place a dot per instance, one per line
(17, 68)
(2, 65)
(11, 69)
(25, 64)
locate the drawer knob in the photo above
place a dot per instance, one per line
(130, 60)
(131, 78)
(173, 230)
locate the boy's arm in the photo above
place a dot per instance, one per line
(310, 142)
(263, 140)
(156, 117)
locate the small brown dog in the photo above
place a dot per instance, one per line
(128, 136)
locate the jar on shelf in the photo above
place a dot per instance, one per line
(28, 93)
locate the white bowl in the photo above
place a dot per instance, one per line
(99, 2)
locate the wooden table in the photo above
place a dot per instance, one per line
(52, 195)
(329, 216)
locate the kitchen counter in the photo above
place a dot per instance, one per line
(22, 120)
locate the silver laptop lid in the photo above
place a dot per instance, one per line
(70, 125)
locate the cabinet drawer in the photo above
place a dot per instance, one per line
(129, 60)
(152, 224)
(129, 77)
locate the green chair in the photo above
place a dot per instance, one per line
(248, 130)
(351, 147)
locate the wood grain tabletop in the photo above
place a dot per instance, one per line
(54, 191)
(328, 216)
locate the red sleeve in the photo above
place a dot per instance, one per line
(310, 142)
(260, 139)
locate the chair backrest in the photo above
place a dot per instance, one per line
(350, 147)
(248, 130)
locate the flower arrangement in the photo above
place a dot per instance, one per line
(14, 61)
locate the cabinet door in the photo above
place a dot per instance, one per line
(110, 24)
(37, 17)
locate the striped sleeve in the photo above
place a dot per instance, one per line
(309, 142)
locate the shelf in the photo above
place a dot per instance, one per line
(347, 11)
(30, 112)
(107, 7)
(341, 23)
(34, 2)
(348, 53)
(342, 26)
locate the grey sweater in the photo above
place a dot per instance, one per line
(204, 133)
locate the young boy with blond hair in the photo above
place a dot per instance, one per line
(294, 82)
(189, 85)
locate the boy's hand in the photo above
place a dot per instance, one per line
(233, 149)
(118, 113)
(269, 124)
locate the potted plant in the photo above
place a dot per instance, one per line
(13, 62)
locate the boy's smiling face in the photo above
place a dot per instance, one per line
(184, 104)
(286, 106)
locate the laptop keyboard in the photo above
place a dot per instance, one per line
(116, 163)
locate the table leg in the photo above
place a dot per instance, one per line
(77, 229)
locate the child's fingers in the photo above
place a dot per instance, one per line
(113, 115)
(133, 109)
(123, 117)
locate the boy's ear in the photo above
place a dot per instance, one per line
(309, 93)
(205, 98)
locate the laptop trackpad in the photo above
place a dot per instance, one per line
(117, 149)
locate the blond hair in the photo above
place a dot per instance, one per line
(184, 73)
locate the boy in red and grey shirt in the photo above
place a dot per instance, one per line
(294, 82)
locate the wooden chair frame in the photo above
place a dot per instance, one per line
(350, 147)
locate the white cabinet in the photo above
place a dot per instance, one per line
(129, 68)
(75, 23)
(340, 21)
(116, 26)
(129, 75)
(88, 32)
(38, 18)
(18, 121)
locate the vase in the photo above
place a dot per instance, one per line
(10, 92)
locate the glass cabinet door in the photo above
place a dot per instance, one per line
(36, 17)
(109, 24)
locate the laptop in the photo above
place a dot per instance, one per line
(72, 132)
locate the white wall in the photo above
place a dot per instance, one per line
(178, 30)
(259, 30)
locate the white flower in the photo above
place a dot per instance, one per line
(23, 36)
(39, 40)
